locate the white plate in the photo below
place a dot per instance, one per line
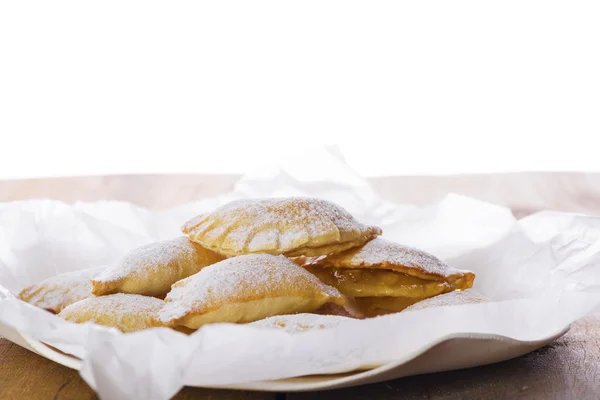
(455, 352)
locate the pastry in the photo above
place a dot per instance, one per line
(150, 270)
(385, 277)
(298, 323)
(374, 306)
(54, 294)
(126, 312)
(301, 260)
(245, 289)
(293, 226)
(449, 299)
(348, 309)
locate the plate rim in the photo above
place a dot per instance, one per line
(287, 384)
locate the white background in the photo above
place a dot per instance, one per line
(404, 87)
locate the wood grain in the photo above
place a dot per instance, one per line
(150, 191)
(567, 369)
(524, 192)
(25, 375)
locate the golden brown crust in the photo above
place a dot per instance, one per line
(55, 293)
(375, 306)
(383, 254)
(349, 309)
(150, 270)
(243, 289)
(126, 312)
(289, 226)
(384, 277)
(332, 248)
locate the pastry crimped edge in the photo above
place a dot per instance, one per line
(306, 251)
(28, 293)
(344, 239)
(297, 300)
(116, 285)
(189, 318)
(199, 312)
(334, 248)
(132, 312)
(461, 279)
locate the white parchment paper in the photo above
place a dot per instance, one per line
(542, 273)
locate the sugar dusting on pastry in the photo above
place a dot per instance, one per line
(449, 299)
(276, 226)
(300, 322)
(240, 279)
(151, 256)
(120, 303)
(127, 312)
(379, 252)
(288, 211)
(348, 309)
(54, 294)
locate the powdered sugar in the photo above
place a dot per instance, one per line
(263, 239)
(151, 257)
(242, 278)
(54, 294)
(380, 251)
(275, 226)
(300, 322)
(120, 303)
(126, 312)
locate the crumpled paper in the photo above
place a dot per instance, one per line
(542, 273)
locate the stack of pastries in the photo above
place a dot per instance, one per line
(254, 261)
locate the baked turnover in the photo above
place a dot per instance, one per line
(294, 263)
(384, 277)
(245, 289)
(126, 312)
(54, 294)
(151, 269)
(292, 226)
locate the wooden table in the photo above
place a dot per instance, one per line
(567, 369)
